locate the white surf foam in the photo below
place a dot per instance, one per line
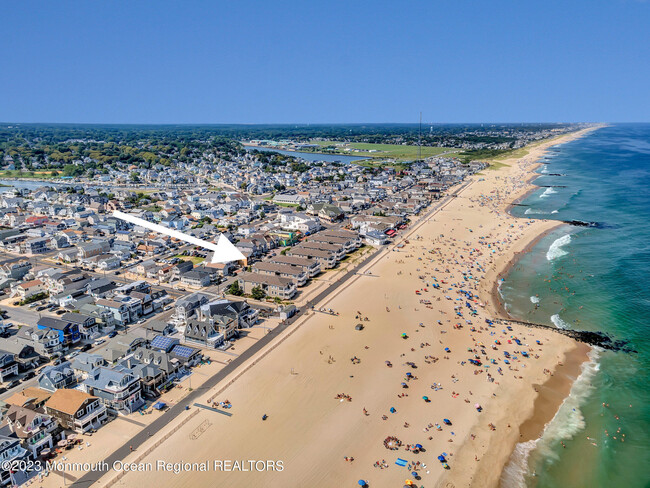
(545, 169)
(555, 211)
(548, 192)
(534, 299)
(555, 250)
(534, 211)
(566, 423)
(558, 322)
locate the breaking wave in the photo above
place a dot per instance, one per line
(558, 322)
(566, 423)
(555, 250)
(534, 299)
(548, 192)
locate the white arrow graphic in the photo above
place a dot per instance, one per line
(223, 252)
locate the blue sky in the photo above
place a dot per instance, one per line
(325, 61)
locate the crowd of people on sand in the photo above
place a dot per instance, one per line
(392, 443)
(451, 268)
(343, 396)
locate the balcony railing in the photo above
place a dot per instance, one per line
(98, 410)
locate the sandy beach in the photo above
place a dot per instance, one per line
(336, 397)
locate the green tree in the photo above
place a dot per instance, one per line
(235, 289)
(257, 293)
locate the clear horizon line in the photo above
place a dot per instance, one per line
(316, 123)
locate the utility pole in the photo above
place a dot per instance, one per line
(420, 139)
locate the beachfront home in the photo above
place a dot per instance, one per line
(116, 387)
(311, 266)
(32, 427)
(76, 410)
(272, 286)
(10, 451)
(326, 259)
(294, 273)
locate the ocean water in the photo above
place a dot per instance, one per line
(591, 278)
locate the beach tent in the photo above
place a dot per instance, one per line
(362, 483)
(359, 327)
(401, 462)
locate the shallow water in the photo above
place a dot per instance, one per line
(592, 279)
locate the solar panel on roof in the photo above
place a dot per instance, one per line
(183, 351)
(162, 342)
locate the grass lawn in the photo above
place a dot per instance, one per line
(27, 174)
(398, 152)
(195, 259)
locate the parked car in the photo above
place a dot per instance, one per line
(85, 347)
(99, 342)
(60, 312)
(112, 334)
(29, 374)
(13, 384)
(56, 362)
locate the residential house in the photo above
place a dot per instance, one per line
(52, 378)
(8, 365)
(118, 388)
(44, 341)
(196, 278)
(185, 306)
(272, 286)
(76, 410)
(10, 451)
(68, 331)
(311, 266)
(34, 428)
(29, 288)
(294, 273)
(88, 326)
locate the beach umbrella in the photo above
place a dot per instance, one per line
(441, 459)
(362, 483)
(425, 398)
(418, 446)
